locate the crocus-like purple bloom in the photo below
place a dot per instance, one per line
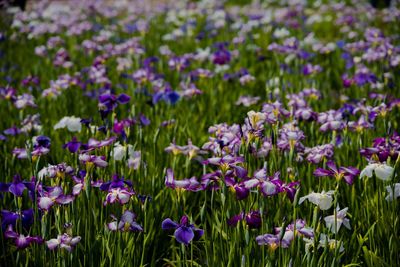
(184, 231)
(347, 173)
(127, 223)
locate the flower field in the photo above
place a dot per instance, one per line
(205, 133)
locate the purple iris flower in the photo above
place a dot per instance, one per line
(347, 173)
(116, 183)
(233, 221)
(42, 141)
(118, 194)
(73, 145)
(12, 131)
(221, 57)
(127, 223)
(168, 95)
(63, 241)
(383, 148)
(108, 102)
(184, 232)
(90, 160)
(269, 186)
(22, 241)
(10, 218)
(17, 187)
(187, 184)
(52, 195)
(238, 187)
(79, 181)
(253, 219)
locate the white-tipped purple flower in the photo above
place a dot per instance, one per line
(63, 241)
(127, 223)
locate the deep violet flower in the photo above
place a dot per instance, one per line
(108, 102)
(17, 186)
(253, 219)
(347, 173)
(22, 241)
(73, 145)
(184, 232)
(10, 218)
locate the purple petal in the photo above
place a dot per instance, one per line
(168, 224)
(123, 98)
(17, 189)
(45, 203)
(65, 199)
(331, 165)
(198, 233)
(322, 172)
(136, 227)
(52, 243)
(184, 235)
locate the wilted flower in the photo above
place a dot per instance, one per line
(185, 232)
